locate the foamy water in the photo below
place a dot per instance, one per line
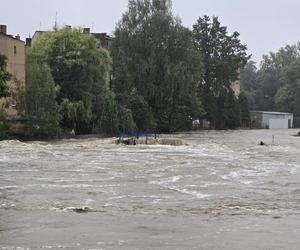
(92, 194)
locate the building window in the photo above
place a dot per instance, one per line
(15, 49)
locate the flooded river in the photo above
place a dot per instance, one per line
(219, 191)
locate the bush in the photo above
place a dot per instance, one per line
(4, 126)
(297, 122)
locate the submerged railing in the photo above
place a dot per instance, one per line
(136, 135)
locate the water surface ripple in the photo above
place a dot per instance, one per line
(219, 191)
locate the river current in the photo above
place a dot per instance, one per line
(221, 190)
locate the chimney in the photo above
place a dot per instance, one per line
(18, 37)
(3, 29)
(86, 30)
(28, 42)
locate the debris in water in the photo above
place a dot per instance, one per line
(262, 143)
(82, 209)
(151, 141)
(76, 209)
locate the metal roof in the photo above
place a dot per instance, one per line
(272, 113)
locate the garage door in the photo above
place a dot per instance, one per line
(278, 123)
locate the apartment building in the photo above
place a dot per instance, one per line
(14, 49)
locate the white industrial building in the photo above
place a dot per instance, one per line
(271, 120)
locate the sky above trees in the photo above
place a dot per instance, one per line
(264, 25)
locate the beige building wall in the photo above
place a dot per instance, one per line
(236, 86)
(14, 50)
(36, 36)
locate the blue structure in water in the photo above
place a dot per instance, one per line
(136, 135)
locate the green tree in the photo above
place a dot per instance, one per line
(284, 99)
(223, 56)
(81, 68)
(106, 114)
(125, 119)
(156, 67)
(244, 109)
(287, 98)
(249, 83)
(41, 108)
(5, 131)
(278, 81)
(272, 77)
(228, 113)
(4, 76)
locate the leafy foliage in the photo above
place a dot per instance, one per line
(223, 56)
(276, 85)
(156, 67)
(4, 77)
(40, 95)
(81, 68)
(249, 83)
(244, 109)
(5, 131)
(163, 76)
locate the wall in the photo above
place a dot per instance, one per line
(276, 121)
(260, 119)
(278, 124)
(35, 37)
(256, 119)
(236, 87)
(14, 50)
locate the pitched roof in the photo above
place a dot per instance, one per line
(12, 37)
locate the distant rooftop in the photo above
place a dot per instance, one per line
(271, 112)
(3, 31)
(104, 39)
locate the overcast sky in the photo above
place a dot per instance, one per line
(264, 25)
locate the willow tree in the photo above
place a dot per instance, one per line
(156, 67)
(41, 107)
(80, 67)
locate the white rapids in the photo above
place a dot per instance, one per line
(221, 190)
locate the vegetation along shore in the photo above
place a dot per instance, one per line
(158, 75)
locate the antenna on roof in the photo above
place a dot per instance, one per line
(55, 23)
(40, 28)
(92, 26)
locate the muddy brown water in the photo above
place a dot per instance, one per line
(220, 191)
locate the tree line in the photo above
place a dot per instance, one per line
(275, 85)
(158, 75)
